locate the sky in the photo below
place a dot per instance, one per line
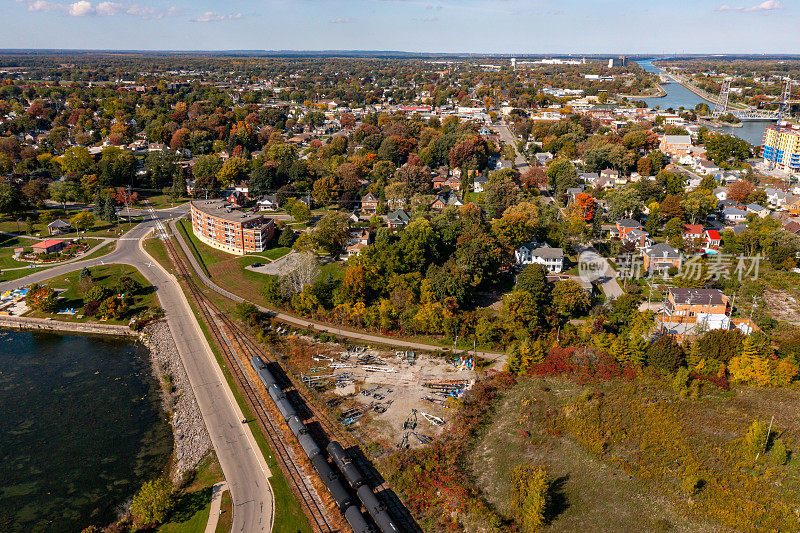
(447, 26)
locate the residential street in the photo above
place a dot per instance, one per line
(507, 137)
(242, 463)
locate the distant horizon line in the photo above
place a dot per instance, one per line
(356, 52)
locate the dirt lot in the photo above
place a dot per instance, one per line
(393, 393)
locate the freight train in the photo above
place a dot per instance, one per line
(341, 495)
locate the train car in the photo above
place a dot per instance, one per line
(356, 520)
(342, 460)
(377, 510)
(282, 402)
(257, 362)
(266, 377)
(339, 492)
(309, 445)
(297, 426)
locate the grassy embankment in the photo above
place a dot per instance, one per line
(193, 503)
(633, 456)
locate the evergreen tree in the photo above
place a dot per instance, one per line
(513, 358)
(109, 211)
(97, 209)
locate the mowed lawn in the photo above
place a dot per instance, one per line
(105, 276)
(193, 504)
(7, 246)
(230, 272)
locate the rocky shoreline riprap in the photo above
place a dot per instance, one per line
(191, 439)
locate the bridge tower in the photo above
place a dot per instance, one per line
(786, 96)
(721, 105)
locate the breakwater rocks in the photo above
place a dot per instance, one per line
(43, 324)
(191, 439)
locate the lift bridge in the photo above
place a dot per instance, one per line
(751, 113)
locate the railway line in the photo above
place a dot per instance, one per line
(230, 339)
(322, 424)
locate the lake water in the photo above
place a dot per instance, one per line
(679, 96)
(81, 429)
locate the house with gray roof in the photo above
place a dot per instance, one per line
(540, 253)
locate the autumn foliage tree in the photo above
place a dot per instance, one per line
(739, 191)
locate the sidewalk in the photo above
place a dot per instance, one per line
(216, 501)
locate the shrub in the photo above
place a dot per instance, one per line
(152, 503)
(127, 286)
(96, 293)
(778, 452)
(529, 497)
(691, 485)
(755, 438)
(90, 308)
(42, 298)
(665, 355)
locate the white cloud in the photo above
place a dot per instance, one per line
(342, 21)
(108, 8)
(83, 8)
(767, 5)
(210, 16)
(43, 5)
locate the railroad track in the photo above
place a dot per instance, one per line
(228, 341)
(332, 429)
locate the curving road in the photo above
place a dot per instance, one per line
(243, 465)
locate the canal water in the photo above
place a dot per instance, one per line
(81, 429)
(679, 96)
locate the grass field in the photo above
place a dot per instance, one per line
(7, 246)
(105, 276)
(618, 454)
(225, 514)
(100, 229)
(160, 201)
(193, 504)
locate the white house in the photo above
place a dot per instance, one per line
(776, 197)
(733, 215)
(268, 203)
(542, 254)
(478, 182)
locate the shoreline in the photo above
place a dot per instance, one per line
(23, 323)
(190, 439)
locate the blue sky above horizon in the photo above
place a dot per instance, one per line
(480, 26)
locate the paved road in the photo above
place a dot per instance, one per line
(242, 463)
(498, 358)
(507, 137)
(608, 277)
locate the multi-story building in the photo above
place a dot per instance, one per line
(782, 147)
(218, 224)
(675, 145)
